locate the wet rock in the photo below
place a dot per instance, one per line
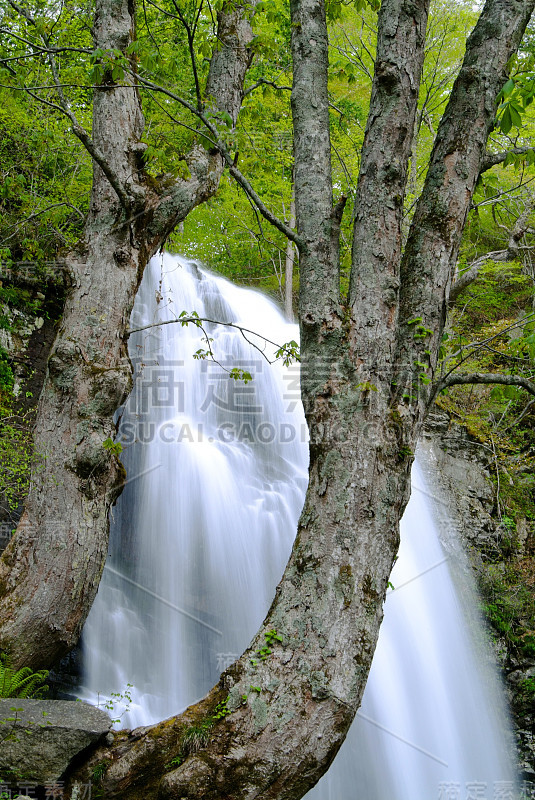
(464, 467)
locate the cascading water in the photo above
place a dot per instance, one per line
(217, 471)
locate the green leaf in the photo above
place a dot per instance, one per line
(516, 119)
(506, 123)
(508, 88)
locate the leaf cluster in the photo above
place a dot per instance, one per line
(22, 683)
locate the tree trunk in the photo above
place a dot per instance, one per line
(49, 573)
(289, 267)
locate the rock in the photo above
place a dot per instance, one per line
(462, 464)
(467, 500)
(40, 737)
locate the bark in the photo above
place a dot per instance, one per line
(491, 159)
(458, 154)
(289, 268)
(50, 572)
(377, 237)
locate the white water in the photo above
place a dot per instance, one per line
(217, 471)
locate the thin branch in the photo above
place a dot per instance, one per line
(155, 43)
(520, 416)
(265, 82)
(469, 275)
(229, 160)
(77, 129)
(191, 41)
(44, 211)
(473, 347)
(506, 193)
(197, 320)
(510, 253)
(264, 210)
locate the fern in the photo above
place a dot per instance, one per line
(21, 683)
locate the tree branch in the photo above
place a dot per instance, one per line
(95, 153)
(463, 378)
(490, 160)
(265, 82)
(467, 277)
(238, 176)
(196, 320)
(433, 244)
(377, 235)
(510, 253)
(264, 210)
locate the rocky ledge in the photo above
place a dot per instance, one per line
(39, 738)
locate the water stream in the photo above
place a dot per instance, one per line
(217, 471)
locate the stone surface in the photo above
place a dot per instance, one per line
(467, 497)
(40, 737)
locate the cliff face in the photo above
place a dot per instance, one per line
(502, 559)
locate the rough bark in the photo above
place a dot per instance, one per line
(50, 572)
(377, 239)
(289, 267)
(431, 252)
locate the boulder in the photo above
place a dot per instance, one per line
(39, 738)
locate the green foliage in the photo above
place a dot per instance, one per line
(271, 637)
(519, 90)
(527, 689)
(193, 739)
(221, 711)
(6, 373)
(114, 448)
(510, 604)
(366, 386)
(44, 183)
(238, 374)
(289, 353)
(22, 683)
(501, 291)
(16, 456)
(99, 770)
(115, 701)
(196, 737)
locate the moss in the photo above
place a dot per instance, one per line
(501, 291)
(371, 596)
(509, 604)
(345, 584)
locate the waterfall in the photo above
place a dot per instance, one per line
(217, 471)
